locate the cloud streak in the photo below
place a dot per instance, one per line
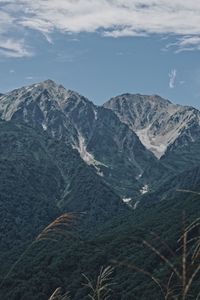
(14, 48)
(113, 18)
(172, 78)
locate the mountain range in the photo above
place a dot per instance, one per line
(121, 139)
(122, 165)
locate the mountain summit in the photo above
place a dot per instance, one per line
(123, 140)
(102, 140)
(160, 125)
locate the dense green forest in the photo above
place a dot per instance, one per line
(42, 179)
(51, 263)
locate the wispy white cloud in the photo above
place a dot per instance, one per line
(188, 43)
(125, 32)
(172, 78)
(48, 38)
(14, 48)
(113, 18)
(10, 46)
(185, 43)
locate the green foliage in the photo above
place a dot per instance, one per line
(49, 264)
(41, 179)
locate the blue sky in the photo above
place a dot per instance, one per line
(103, 49)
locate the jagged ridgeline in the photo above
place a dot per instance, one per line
(63, 156)
(103, 141)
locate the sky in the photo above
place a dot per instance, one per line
(103, 48)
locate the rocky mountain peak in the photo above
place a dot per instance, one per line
(40, 105)
(102, 140)
(157, 122)
(139, 100)
(46, 95)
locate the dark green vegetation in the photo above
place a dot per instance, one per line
(42, 176)
(49, 264)
(118, 152)
(40, 179)
(176, 170)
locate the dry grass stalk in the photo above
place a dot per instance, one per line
(57, 295)
(163, 243)
(54, 231)
(142, 271)
(184, 273)
(195, 225)
(163, 257)
(100, 290)
(188, 191)
(189, 269)
(58, 228)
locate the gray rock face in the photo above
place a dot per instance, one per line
(160, 125)
(102, 140)
(122, 140)
(38, 106)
